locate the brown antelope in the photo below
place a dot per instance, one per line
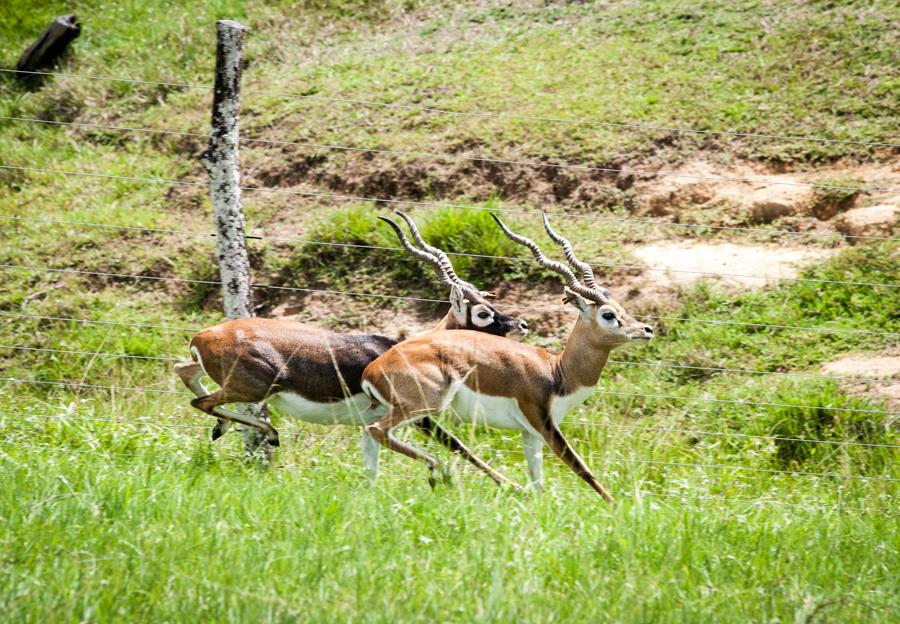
(314, 374)
(485, 379)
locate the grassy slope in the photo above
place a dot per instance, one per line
(153, 521)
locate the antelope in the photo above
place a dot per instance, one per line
(484, 379)
(314, 374)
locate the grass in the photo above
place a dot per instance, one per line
(144, 535)
(472, 229)
(138, 515)
(118, 507)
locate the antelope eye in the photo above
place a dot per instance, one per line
(483, 315)
(608, 316)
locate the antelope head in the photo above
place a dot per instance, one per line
(470, 308)
(609, 324)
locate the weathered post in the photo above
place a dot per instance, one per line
(50, 46)
(222, 164)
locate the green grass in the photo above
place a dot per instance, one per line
(117, 507)
(142, 517)
(147, 535)
(472, 229)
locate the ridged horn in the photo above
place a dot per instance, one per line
(587, 273)
(442, 257)
(420, 254)
(557, 267)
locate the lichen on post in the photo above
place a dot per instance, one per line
(223, 165)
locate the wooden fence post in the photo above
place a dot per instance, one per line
(49, 47)
(222, 164)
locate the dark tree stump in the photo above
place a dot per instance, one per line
(50, 45)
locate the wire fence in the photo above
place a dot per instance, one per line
(400, 250)
(639, 395)
(458, 158)
(500, 451)
(441, 204)
(520, 308)
(648, 174)
(638, 493)
(650, 363)
(579, 423)
(489, 114)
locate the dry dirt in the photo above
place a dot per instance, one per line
(675, 264)
(712, 188)
(865, 365)
(882, 368)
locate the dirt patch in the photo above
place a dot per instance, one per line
(882, 368)
(682, 263)
(862, 365)
(711, 188)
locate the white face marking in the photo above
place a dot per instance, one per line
(607, 317)
(482, 316)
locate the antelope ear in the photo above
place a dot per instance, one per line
(578, 301)
(458, 304)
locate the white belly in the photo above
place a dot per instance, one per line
(470, 407)
(352, 411)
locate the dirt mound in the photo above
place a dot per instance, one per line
(871, 221)
(711, 188)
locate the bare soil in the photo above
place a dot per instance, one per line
(711, 188)
(882, 368)
(680, 263)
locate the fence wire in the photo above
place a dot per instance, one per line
(480, 114)
(457, 158)
(434, 204)
(426, 300)
(400, 250)
(637, 496)
(655, 364)
(578, 423)
(517, 453)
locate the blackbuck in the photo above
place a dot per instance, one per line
(314, 374)
(484, 379)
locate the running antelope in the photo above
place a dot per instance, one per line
(484, 379)
(314, 374)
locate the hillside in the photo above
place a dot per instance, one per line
(732, 171)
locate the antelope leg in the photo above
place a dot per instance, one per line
(534, 457)
(431, 428)
(190, 374)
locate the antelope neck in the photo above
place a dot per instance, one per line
(581, 362)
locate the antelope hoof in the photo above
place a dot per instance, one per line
(273, 439)
(217, 432)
